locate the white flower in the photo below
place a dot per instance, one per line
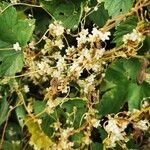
(59, 43)
(31, 45)
(61, 64)
(95, 31)
(30, 16)
(39, 121)
(95, 123)
(96, 67)
(63, 88)
(89, 84)
(50, 104)
(56, 28)
(65, 133)
(112, 127)
(26, 88)
(86, 53)
(74, 67)
(105, 36)
(44, 66)
(84, 32)
(90, 79)
(97, 34)
(70, 50)
(13, 1)
(134, 36)
(143, 125)
(82, 39)
(87, 9)
(116, 133)
(145, 104)
(99, 53)
(16, 47)
(95, 8)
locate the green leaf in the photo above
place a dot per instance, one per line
(38, 138)
(20, 114)
(113, 100)
(42, 22)
(133, 146)
(77, 139)
(122, 87)
(13, 146)
(11, 62)
(123, 28)
(4, 108)
(145, 49)
(96, 146)
(77, 105)
(117, 7)
(133, 98)
(38, 106)
(16, 30)
(100, 16)
(68, 12)
(47, 121)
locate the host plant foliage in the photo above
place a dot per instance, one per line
(74, 74)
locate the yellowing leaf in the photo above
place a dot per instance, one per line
(38, 139)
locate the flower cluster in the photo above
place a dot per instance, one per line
(115, 129)
(135, 36)
(16, 47)
(64, 143)
(79, 67)
(117, 126)
(56, 29)
(70, 66)
(95, 36)
(68, 76)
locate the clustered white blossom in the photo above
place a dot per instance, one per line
(142, 124)
(135, 36)
(115, 127)
(56, 28)
(64, 143)
(95, 36)
(16, 47)
(61, 64)
(26, 88)
(90, 116)
(58, 64)
(69, 66)
(89, 83)
(115, 131)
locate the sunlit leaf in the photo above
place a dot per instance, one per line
(38, 138)
(68, 12)
(16, 30)
(123, 74)
(100, 16)
(124, 28)
(117, 7)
